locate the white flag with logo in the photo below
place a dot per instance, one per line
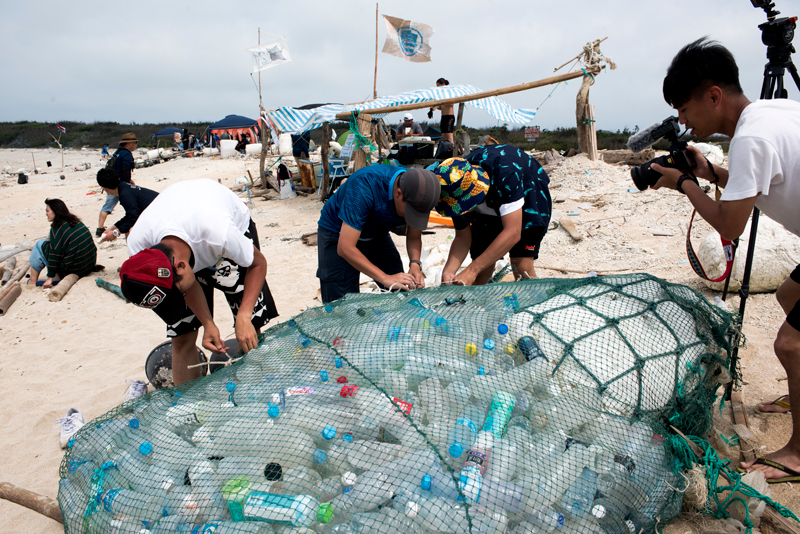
(270, 55)
(408, 40)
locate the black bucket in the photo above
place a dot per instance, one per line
(23, 178)
(161, 358)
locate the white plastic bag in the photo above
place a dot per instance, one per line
(287, 189)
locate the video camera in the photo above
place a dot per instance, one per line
(679, 158)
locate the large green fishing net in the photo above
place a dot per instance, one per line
(537, 406)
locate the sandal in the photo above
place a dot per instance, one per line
(782, 401)
(794, 476)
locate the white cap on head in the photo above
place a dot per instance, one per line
(408, 117)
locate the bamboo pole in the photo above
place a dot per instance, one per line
(375, 79)
(63, 286)
(326, 173)
(21, 272)
(477, 96)
(9, 298)
(6, 290)
(364, 125)
(33, 501)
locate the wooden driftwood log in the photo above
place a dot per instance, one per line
(628, 157)
(58, 292)
(9, 270)
(9, 297)
(33, 501)
(569, 226)
(21, 272)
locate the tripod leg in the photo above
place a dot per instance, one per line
(793, 72)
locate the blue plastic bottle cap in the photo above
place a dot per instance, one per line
(320, 456)
(503, 329)
(328, 309)
(488, 344)
(292, 323)
(133, 423)
(306, 342)
(456, 449)
(440, 321)
(426, 483)
(273, 411)
(561, 520)
(178, 394)
(348, 437)
(338, 362)
(481, 370)
(323, 375)
(329, 432)
(230, 386)
(70, 443)
(146, 448)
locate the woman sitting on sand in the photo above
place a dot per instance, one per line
(69, 248)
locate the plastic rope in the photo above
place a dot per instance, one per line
(714, 467)
(360, 141)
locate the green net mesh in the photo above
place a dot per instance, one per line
(537, 406)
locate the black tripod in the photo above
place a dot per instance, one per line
(777, 34)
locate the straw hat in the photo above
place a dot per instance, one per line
(129, 137)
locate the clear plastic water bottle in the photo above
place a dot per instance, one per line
(456, 398)
(465, 431)
(577, 500)
(207, 490)
(475, 465)
(102, 521)
(232, 527)
(431, 396)
(611, 516)
(133, 505)
(297, 481)
(293, 510)
(503, 463)
(545, 519)
(257, 469)
(567, 411)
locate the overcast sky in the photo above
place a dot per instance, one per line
(186, 61)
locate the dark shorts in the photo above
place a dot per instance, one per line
(228, 277)
(448, 124)
(793, 317)
(337, 277)
(486, 228)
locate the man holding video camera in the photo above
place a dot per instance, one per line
(702, 84)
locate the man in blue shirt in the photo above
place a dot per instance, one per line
(353, 234)
(123, 166)
(500, 203)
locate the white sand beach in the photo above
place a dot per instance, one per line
(78, 352)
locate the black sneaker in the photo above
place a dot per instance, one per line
(99, 232)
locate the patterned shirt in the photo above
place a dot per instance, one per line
(365, 202)
(515, 177)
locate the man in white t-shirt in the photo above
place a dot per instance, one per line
(702, 83)
(194, 237)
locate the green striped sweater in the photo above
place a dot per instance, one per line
(71, 249)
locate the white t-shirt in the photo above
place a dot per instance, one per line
(208, 216)
(764, 157)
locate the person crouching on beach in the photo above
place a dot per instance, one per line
(499, 201)
(134, 200)
(197, 236)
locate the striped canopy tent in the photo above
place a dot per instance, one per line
(293, 120)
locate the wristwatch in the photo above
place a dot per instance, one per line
(115, 232)
(415, 261)
(683, 178)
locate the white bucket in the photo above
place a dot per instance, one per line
(286, 144)
(152, 155)
(227, 148)
(253, 149)
(208, 151)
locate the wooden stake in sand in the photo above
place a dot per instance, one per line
(9, 270)
(33, 501)
(9, 296)
(63, 286)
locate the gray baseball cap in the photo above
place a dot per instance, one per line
(421, 189)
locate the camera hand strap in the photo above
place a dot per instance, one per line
(727, 247)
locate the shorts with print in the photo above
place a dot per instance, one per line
(228, 277)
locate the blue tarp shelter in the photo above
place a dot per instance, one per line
(236, 125)
(169, 131)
